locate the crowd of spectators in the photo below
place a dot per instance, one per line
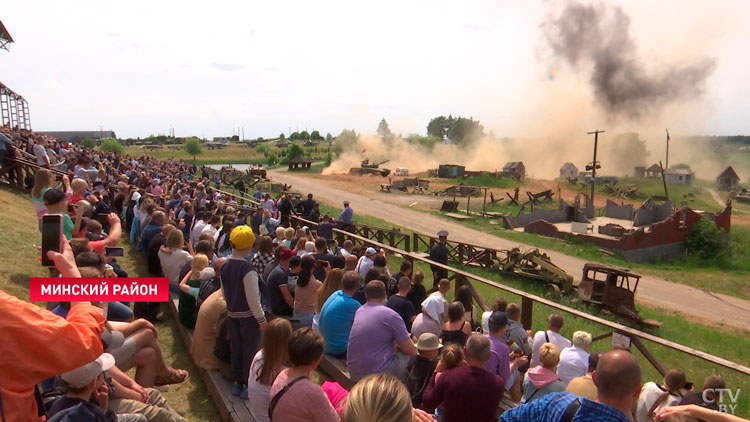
(268, 297)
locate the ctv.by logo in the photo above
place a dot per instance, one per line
(710, 395)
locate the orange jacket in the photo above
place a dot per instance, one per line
(36, 344)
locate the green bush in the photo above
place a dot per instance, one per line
(88, 143)
(272, 159)
(112, 145)
(704, 240)
(193, 147)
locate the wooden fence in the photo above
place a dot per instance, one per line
(528, 300)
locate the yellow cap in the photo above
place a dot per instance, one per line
(242, 237)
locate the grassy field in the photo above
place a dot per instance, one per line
(720, 341)
(234, 154)
(18, 262)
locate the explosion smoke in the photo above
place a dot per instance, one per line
(598, 36)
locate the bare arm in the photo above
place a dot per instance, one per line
(287, 296)
(676, 413)
(407, 347)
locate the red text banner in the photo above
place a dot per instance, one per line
(131, 289)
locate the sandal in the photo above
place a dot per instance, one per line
(174, 376)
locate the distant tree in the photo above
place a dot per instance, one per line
(347, 136)
(88, 143)
(272, 159)
(315, 136)
(112, 145)
(680, 166)
(464, 131)
(295, 136)
(293, 151)
(260, 139)
(384, 131)
(303, 136)
(193, 147)
(282, 137)
(438, 126)
(460, 130)
(329, 137)
(263, 149)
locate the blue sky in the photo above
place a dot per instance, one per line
(205, 68)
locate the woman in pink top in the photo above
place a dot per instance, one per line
(294, 398)
(305, 292)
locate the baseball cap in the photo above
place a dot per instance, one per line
(370, 251)
(83, 375)
(242, 237)
(498, 318)
(428, 341)
(285, 253)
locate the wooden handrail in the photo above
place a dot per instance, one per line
(622, 329)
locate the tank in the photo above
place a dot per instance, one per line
(366, 167)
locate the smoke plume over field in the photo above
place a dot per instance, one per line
(596, 38)
(591, 76)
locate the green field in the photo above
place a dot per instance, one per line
(233, 154)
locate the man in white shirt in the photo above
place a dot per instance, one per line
(40, 152)
(552, 335)
(212, 227)
(366, 262)
(574, 361)
(198, 226)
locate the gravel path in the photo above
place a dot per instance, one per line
(652, 291)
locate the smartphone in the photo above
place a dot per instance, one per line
(71, 209)
(52, 231)
(114, 251)
(103, 217)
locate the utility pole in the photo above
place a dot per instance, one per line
(667, 160)
(593, 163)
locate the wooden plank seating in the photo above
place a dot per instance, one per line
(457, 216)
(336, 369)
(231, 408)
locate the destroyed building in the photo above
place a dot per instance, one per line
(650, 232)
(514, 170)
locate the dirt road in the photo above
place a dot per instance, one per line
(652, 291)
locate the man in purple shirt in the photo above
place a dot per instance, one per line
(375, 330)
(499, 362)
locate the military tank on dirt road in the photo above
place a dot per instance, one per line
(370, 168)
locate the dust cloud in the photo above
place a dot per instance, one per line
(589, 76)
(596, 38)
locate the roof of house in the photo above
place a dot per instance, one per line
(567, 166)
(729, 172)
(513, 165)
(678, 171)
(299, 160)
(654, 167)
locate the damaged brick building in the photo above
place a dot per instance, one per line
(652, 231)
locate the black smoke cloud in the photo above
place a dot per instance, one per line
(596, 38)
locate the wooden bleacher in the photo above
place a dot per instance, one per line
(231, 408)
